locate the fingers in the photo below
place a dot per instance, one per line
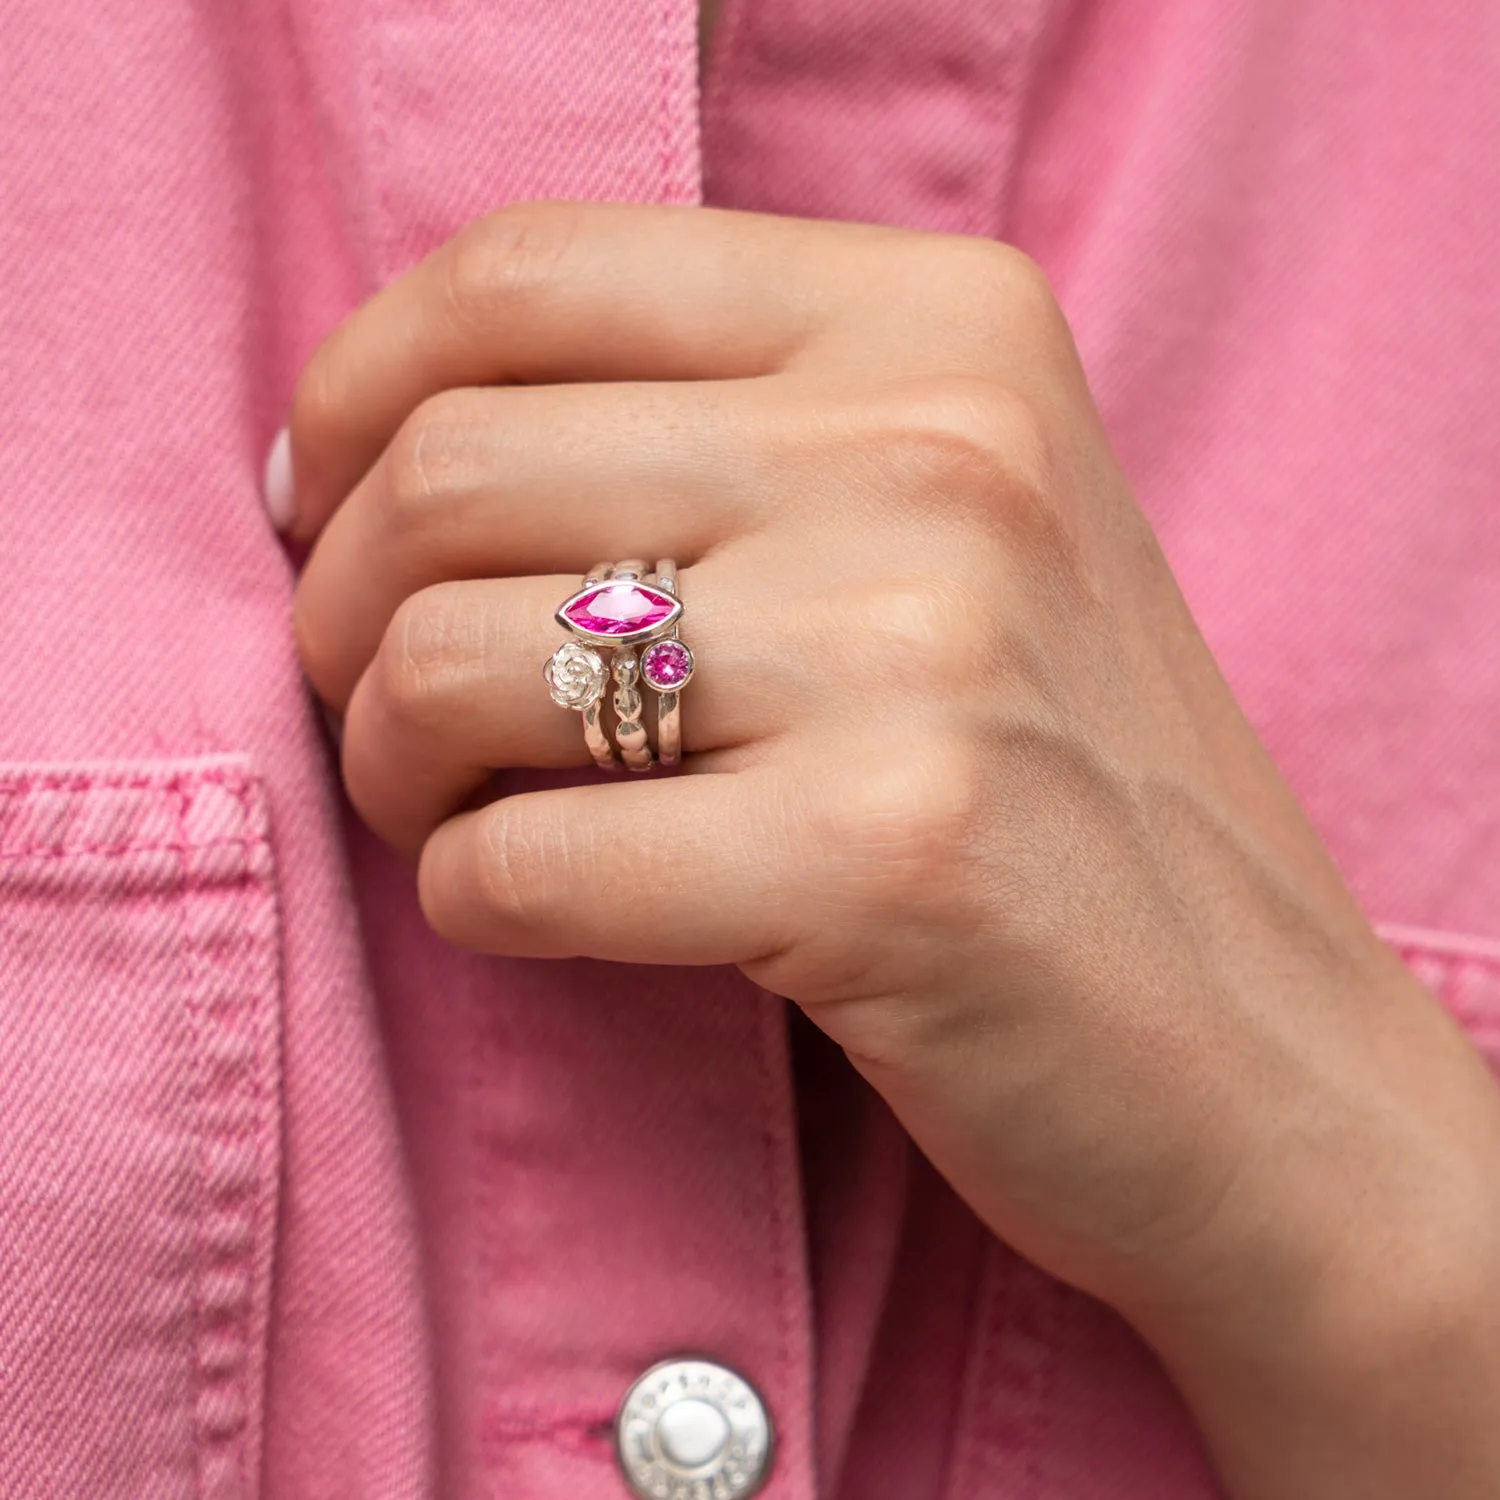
(456, 692)
(484, 483)
(561, 292)
(685, 871)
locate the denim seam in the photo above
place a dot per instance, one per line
(181, 892)
(230, 967)
(126, 847)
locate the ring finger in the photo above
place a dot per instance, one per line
(455, 692)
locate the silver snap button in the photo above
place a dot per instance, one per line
(692, 1433)
(690, 1429)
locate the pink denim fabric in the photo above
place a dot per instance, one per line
(296, 1202)
(139, 966)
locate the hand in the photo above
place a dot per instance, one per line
(963, 780)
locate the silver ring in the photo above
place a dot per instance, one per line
(620, 610)
(667, 668)
(575, 675)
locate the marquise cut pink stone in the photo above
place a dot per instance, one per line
(620, 609)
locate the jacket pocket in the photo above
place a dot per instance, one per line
(139, 1128)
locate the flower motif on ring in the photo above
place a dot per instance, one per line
(576, 675)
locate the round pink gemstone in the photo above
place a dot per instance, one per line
(666, 665)
(620, 609)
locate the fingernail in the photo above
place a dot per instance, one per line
(277, 489)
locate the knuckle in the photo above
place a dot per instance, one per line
(904, 829)
(980, 451)
(1015, 283)
(1024, 283)
(322, 417)
(423, 649)
(909, 627)
(422, 463)
(970, 436)
(988, 277)
(514, 859)
(507, 256)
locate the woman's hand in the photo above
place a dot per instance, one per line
(963, 781)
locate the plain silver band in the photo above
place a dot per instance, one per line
(668, 711)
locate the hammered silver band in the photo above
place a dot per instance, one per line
(576, 675)
(630, 728)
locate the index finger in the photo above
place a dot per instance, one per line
(543, 293)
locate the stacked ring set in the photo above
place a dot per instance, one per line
(623, 625)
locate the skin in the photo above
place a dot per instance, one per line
(964, 782)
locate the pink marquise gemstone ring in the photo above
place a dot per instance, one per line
(623, 623)
(620, 613)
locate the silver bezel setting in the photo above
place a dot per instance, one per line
(671, 687)
(626, 638)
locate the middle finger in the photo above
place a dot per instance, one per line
(509, 482)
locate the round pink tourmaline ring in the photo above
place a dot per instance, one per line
(667, 666)
(634, 617)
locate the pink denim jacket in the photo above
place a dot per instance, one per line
(297, 1202)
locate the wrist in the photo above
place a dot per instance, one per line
(1351, 1346)
(1381, 1384)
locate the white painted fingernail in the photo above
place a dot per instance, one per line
(278, 489)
